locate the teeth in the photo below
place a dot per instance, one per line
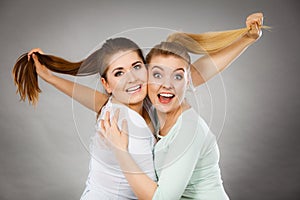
(133, 88)
(167, 95)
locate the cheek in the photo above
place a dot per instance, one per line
(152, 88)
(142, 74)
(114, 83)
(181, 88)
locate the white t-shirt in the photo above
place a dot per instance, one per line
(106, 180)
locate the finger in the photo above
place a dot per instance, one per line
(254, 27)
(255, 15)
(116, 116)
(36, 60)
(107, 124)
(124, 126)
(258, 21)
(102, 131)
(33, 51)
(102, 124)
(256, 18)
(101, 134)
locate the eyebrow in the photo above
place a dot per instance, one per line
(136, 63)
(158, 67)
(179, 69)
(121, 68)
(161, 68)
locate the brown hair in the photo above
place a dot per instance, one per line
(25, 76)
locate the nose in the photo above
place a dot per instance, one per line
(167, 83)
(131, 77)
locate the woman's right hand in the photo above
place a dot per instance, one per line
(254, 22)
(41, 70)
(117, 138)
(30, 53)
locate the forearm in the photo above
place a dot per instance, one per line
(209, 65)
(86, 96)
(143, 186)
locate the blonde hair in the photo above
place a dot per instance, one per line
(210, 42)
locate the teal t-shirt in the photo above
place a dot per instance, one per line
(187, 161)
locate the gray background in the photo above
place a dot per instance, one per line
(43, 150)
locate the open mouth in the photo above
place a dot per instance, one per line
(165, 97)
(134, 89)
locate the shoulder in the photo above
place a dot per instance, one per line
(194, 128)
(191, 121)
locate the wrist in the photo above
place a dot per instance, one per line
(122, 155)
(254, 34)
(248, 40)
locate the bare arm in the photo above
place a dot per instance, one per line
(209, 65)
(171, 185)
(86, 96)
(143, 186)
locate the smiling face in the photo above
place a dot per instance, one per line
(168, 81)
(126, 78)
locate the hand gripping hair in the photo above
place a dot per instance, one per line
(25, 76)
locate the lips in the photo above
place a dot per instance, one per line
(165, 97)
(134, 89)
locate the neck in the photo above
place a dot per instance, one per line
(138, 107)
(167, 120)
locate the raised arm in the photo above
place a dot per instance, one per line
(211, 64)
(86, 96)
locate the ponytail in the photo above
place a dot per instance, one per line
(26, 78)
(207, 43)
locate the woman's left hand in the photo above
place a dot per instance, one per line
(118, 139)
(254, 23)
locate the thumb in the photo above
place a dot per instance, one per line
(254, 31)
(35, 59)
(254, 26)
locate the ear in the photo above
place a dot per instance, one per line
(106, 85)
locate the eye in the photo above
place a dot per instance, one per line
(137, 67)
(118, 73)
(178, 77)
(157, 75)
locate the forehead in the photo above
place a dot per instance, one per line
(169, 62)
(124, 59)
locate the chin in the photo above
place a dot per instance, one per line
(135, 99)
(164, 108)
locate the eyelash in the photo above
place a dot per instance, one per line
(137, 67)
(120, 73)
(176, 77)
(155, 75)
